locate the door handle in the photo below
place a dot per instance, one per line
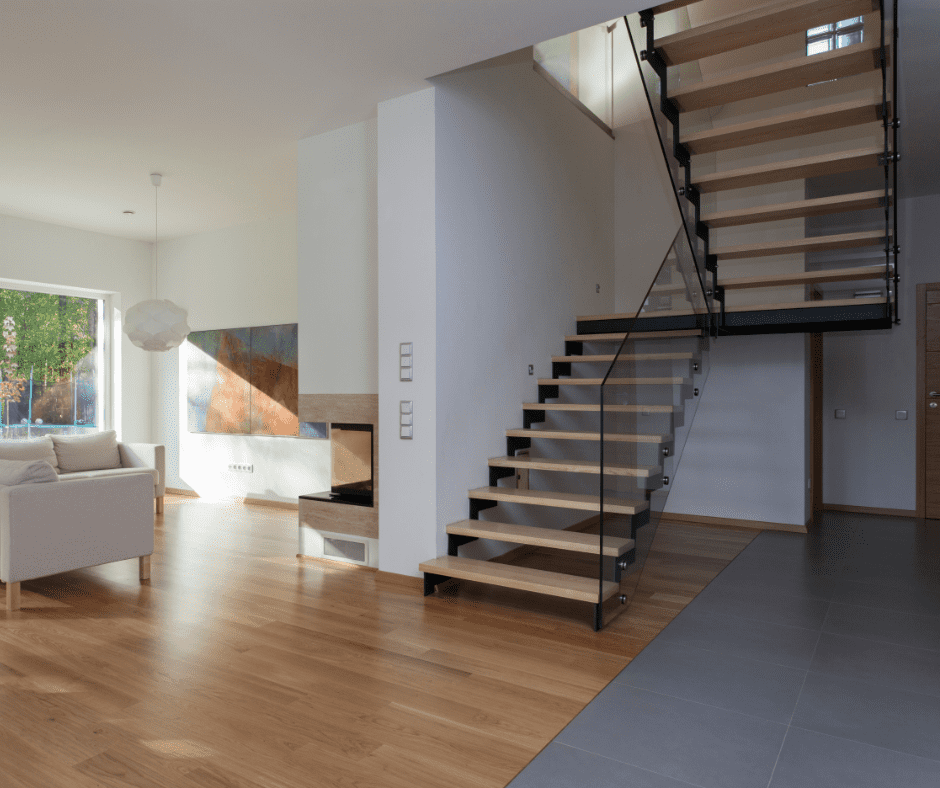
(934, 394)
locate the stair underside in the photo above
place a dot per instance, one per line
(806, 278)
(819, 243)
(821, 206)
(551, 583)
(672, 6)
(742, 308)
(587, 358)
(572, 541)
(670, 381)
(794, 169)
(634, 335)
(756, 26)
(577, 407)
(777, 77)
(558, 500)
(578, 435)
(575, 466)
(794, 124)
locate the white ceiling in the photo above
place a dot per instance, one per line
(214, 94)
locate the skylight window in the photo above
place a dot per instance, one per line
(841, 34)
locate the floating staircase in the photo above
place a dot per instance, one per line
(608, 427)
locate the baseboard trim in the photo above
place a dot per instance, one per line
(182, 493)
(249, 501)
(838, 507)
(396, 580)
(727, 522)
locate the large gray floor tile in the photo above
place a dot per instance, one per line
(907, 599)
(880, 716)
(739, 637)
(747, 686)
(792, 582)
(760, 605)
(698, 744)
(813, 759)
(890, 626)
(885, 664)
(559, 766)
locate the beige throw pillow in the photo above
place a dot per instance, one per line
(87, 452)
(26, 472)
(33, 449)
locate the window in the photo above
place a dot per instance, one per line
(52, 362)
(829, 37)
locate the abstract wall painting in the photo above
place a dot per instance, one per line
(243, 381)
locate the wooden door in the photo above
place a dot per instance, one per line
(928, 400)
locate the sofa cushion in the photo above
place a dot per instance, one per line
(109, 472)
(87, 452)
(26, 472)
(33, 449)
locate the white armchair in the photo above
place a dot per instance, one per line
(71, 524)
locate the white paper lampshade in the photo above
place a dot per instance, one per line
(156, 326)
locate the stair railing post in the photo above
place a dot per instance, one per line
(886, 162)
(895, 123)
(600, 551)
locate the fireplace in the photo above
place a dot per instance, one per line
(352, 466)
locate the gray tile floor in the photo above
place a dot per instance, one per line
(810, 661)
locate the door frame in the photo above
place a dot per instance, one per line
(920, 423)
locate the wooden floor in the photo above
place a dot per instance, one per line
(240, 666)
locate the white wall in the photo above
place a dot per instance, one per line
(869, 458)
(745, 458)
(337, 275)
(407, 276)
(524, 236)
(33, 251)
(243, 276)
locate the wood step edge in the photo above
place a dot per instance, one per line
(589, 466)
(813, 243)
(859, 273)
(573, 541)
(521, 578)
(819, 206)
(559, 500)
(590, 408)
(634, 336)
(617, 437)
(588, 357)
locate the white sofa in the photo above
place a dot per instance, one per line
(60, 518)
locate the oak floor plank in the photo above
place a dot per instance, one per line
(239, 666)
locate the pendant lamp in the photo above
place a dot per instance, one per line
(156, 325)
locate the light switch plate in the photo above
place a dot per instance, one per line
(900, 415)
(407, 419)
(840, 414)
(406, 433)
(406, 406)
(404, 348)
(406, 361)
(406, 373)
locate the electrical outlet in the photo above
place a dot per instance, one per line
(241, 468)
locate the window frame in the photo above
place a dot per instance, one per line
(106, 361)
(833, 34)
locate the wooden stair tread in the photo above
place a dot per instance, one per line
(587, 503)
(619, 337)
(665, 381)
(571, 406)
(625, 357)
(806, 304)
(582, 589)
(574, 541)
(806, 277)
(776, 77)
(672, 6)
(756, 26)
(820, 206)
(777, 172)
(575, 466)
(794, 124)
(817, 243)
(579, 435)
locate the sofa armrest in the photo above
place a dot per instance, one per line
(73, 524)
(146, 455)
